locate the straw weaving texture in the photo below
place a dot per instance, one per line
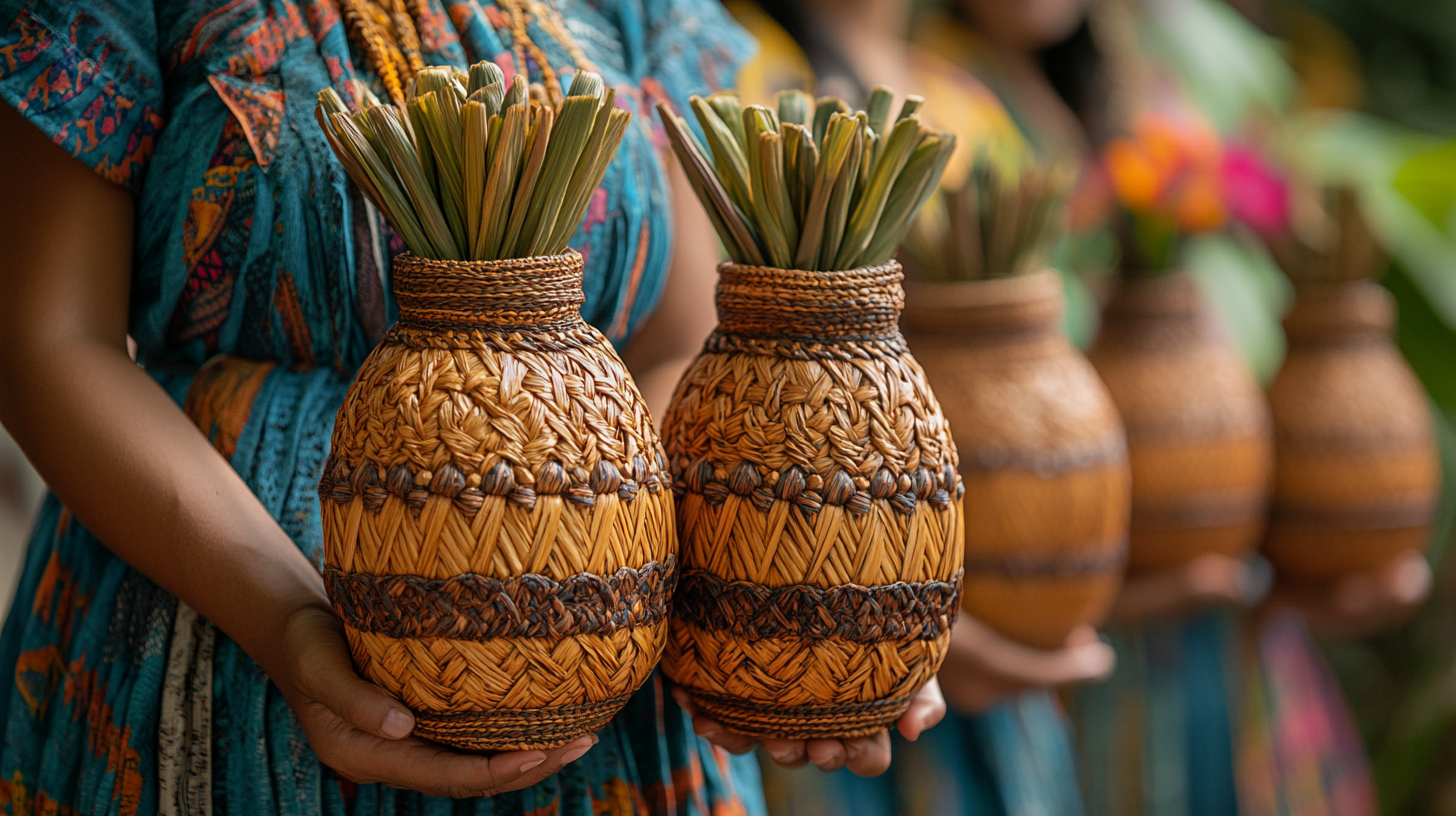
(496, 509)
(1356, 465)
(1198, 427)
(818, 489)
(1042, 452)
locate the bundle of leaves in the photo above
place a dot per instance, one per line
(810, 185)
(1005, 220)
(1326, 238)
(469, 169)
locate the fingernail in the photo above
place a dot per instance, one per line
(532, 764)
(575, 754)
(782, 756)
(595, 739)
(397, 724)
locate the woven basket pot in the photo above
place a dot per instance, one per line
(1042, 453)
(819, 509)
(1356, 472)
(497, 515)
(1198, 428)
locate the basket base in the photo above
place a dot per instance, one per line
(801, 722)
(522, 729)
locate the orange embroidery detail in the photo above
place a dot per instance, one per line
(59, 596)
(220, 399)
(38, 674)
(295, 324)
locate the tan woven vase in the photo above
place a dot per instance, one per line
(1042, 453)
(1356, 472)
(497, 515)
(1198, 428)
(819, 509)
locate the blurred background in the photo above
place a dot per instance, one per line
(1370, 85)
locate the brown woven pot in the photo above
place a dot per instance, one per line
(819, 509)
(1356, 472)
(1198, 429)
(1042, 453)
(497, 519)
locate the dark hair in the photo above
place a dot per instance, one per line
(1077, 71)
(824, 57)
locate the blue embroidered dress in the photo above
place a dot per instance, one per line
(260, 283)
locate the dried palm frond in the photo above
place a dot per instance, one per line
(469, 170)
(810, 185)
(1005, 220)
(1328, 239)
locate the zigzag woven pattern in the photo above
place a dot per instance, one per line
(494, 435)
(851, 613)
(807, 450)
(471, 607)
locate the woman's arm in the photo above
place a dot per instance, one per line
(133, 468)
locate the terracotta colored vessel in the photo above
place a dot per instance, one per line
(819, 509)
(497, 514)
(1356, 471)
(1198, 428)
(1042, 454)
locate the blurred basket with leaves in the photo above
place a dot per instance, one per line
(497, 516)
(1198, 427)
(1042, 449)
(1356, 468)
(819, 503)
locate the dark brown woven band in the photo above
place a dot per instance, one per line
(895, 612)
(529, 729)
(1414, 510)
(476, 607)
(876, 348)
(564, 337)
(341, 483)
(539, 291)
(802, 722)
(1111, 557)
(1207, 509)
(811, 492)
(858, 304)
(1111, 450)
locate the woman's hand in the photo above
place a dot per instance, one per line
(1359, 604)
(1208, 580)
(983, 667)
(364, 734)
(863, 756)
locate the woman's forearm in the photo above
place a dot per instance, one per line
(122, 456)
(132, 467)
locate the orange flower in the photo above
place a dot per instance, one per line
(1200, 205)
(1169, 168)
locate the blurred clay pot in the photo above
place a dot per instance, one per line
(1198, 428)
(1356, 471)
(1043, 455)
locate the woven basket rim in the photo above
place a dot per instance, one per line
(891, 266)
(566, 260)
(985, 293)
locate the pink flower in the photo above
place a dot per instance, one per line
(1254, 192)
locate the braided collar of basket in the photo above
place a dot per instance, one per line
(809, 315)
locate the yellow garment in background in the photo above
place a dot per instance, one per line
(954, 99)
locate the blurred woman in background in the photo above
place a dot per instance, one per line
(1210, 711)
